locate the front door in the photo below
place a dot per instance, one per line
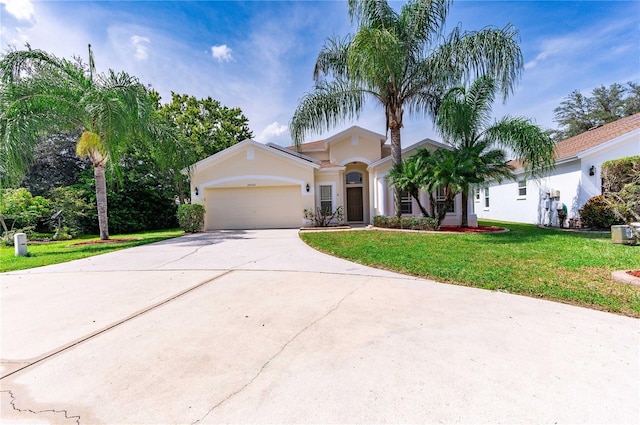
(355, 211)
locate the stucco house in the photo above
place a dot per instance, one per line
(252, 185)
(575, 179)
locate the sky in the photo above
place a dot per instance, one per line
(259, 55)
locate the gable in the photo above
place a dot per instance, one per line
(248, 161)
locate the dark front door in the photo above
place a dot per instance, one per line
(354, 204)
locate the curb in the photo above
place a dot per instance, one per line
(624, 277)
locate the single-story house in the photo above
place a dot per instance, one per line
(575, 179)
(253, 185)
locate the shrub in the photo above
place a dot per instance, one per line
(20, 210)
(619, 172)
(324, 218)
(191, 217)
(598, 214)
(412, 223)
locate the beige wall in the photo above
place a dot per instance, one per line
(251, 166)
(355, 147)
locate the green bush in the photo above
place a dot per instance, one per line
(412, 223)
(20, 210)
(191, 217)
(598, 214)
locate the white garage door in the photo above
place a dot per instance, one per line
(254, 208)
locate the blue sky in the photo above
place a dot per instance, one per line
(259, 55)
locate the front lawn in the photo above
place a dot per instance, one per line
(44, 254)
(570, 267)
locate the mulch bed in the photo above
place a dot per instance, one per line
(479, 229)
(107, 241)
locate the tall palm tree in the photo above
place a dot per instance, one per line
(465, 122)
(41, 94)
(404, 62)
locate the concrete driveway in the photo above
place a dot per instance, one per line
(256, 327)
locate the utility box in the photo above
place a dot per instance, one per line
(622, 234)
(20, 244)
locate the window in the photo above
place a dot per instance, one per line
(406, 203)
(354, 178)
(326, 199)
(522, 188)
(477, 194)
(440, 201)
(486, 197)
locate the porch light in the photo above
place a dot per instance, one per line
(196, 191)
(592, 170)
(307, 187)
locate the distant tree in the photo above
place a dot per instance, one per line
(42, 94)
(578, 113)
(205, 127)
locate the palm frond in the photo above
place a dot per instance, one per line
(332, 59)
(491, 52)
(329, 104)
(531, 145)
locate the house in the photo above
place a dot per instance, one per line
(575, 179)
(253, 185)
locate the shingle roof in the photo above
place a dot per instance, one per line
(573, 146)
(597, 136)
(309, 146)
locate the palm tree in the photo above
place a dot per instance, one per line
(404, 62)
(41, 94)
(464, 120)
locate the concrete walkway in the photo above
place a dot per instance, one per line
(256, 327)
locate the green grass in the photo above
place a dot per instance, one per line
(569, 267)
(44, 254)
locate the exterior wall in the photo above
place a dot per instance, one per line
(571, 178)
(333, 178)
(252, 166)
(354, 148)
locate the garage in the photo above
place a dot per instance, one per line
(253, 207)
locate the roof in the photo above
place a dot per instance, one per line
(572, 147)
(309, 146)
(591, 138)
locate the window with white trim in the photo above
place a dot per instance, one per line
(477, 194)
(406, 203)
(326, 199)
(522, 188)
(440, 201)
(486, 197)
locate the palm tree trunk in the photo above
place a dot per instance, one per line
(101, 201)
(396, 158)
(465, 206)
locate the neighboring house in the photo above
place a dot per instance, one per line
(575, 179)
(252, 185)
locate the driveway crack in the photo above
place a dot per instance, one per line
(37, 412)
(272, 358)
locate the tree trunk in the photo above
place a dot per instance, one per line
(396, 158)
(465, 206)
(101, 201)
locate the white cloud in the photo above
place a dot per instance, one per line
(20, 9)
(141, 46)
(222, 53)
(275, 133)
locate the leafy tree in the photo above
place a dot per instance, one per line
(55, 164)
(42, 94)
(404, 62)
(465, 122)
(578, 113)
(205, 127)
